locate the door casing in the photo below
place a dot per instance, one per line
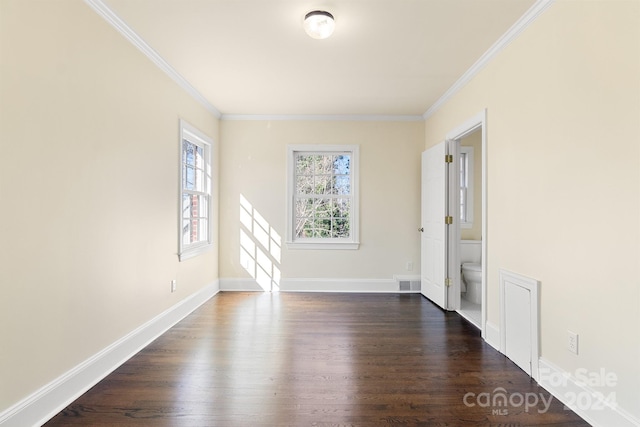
(451, 300)
(478, 121)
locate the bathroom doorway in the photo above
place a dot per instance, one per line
(469, 299)
(470, 241)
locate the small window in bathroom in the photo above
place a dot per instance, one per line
(466, 187)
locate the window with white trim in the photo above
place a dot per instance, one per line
(195, 192)
(323, 196)
(466, 187)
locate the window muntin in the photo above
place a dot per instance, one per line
(195, 192)
(322, 195)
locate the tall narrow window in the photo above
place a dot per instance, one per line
(322, 196)
(466, 187)
(195, 192)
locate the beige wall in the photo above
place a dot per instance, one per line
(88, 186)
(475, 140)
(255, 166)
(563, 107)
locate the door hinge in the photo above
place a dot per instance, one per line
(448, 158)
(448, 281)
(448, 220)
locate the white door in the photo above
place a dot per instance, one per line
(433, 245)
(439, 261)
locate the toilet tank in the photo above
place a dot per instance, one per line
(470, 251)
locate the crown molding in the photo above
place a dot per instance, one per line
(512, 33)
(102, 9)
(323, 117)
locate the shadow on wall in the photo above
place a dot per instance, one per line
(260, 247)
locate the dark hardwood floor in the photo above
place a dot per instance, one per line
(304, 359)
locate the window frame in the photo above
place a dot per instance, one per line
(193, 135)
(467, 206)
(353, 241)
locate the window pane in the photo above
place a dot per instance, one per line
(343, 184)
(186, 206)
(189, 178)
(323, 164)
(342, 208)
(323, 208)
(342, 164)
(203, 207)
(304, 208)
(186, 232)
(199, 161)
(463, 204)
(322, 228)
(304, 164)
(199, 180)
(340, 228)
(324, 184)
(202, 235)
(304, 184)
(188, 153)
(304, 228)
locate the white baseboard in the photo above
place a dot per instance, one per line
(240, 285)
(317, 285)
(590, 404)
(339, 285)
(492, 335)
(39, 407)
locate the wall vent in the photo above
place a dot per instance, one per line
(408, 283)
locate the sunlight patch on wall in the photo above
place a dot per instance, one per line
(260, 247)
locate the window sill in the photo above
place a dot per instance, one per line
(324, 245)
(195, 251)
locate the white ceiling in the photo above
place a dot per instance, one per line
(386, 57)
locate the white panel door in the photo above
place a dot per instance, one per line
(433, 263)
(518, 325)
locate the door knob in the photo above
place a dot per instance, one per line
(421, 229)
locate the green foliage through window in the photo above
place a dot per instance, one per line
(323, 195)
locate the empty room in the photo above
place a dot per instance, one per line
(293, 213)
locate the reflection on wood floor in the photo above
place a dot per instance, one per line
(304, 359)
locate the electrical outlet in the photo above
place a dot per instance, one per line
(173, 285)
(572, 342)
(409, 266)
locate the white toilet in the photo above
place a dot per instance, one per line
(472, 277)
(471, 284)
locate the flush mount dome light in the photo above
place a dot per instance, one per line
(319, 24)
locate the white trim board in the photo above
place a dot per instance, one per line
(102, 9)
(582, 399)
(240, 285)
(50, 399)
(324, 117)
(317, 285)
(492, 335)
(527, 19)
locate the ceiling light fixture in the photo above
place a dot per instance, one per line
(319, 24)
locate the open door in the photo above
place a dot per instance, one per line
(438, 256)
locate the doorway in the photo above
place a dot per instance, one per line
(461, 219)
(473, 133)
(470, 236)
